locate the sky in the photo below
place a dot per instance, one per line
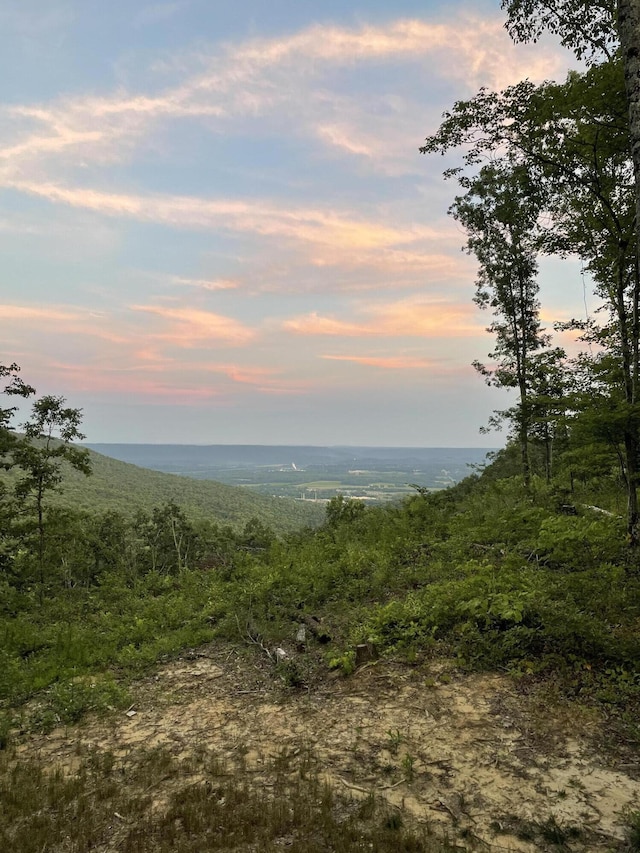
(216, 226)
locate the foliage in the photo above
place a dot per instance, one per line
(574, 141)
(589, 29)
(633, 830)
(482, 572)
(536, 582)
(14, 387)
(343, 511)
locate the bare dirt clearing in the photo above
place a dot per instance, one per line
(467, 755)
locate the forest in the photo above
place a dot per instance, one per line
(529, 569)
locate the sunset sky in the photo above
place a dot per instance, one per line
(216, 226)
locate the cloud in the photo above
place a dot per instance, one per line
(280, 77)
(107, 380)
(420, 315)
(27, 312)
(52, 328)
(479, 46)
(343, 137)
(399, 362)
(47, 322)
(413, 317)
(206, 284)
(392, 260)
(152, 376)
(313, 324)
(335, 230)
(189, 326)
(264, 380)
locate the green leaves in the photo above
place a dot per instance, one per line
(587, 28)
(573, 142)
(15, 387)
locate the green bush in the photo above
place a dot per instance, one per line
(67, 701)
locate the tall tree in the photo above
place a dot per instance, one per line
(500, 213)
(587, 27)
(549, 401)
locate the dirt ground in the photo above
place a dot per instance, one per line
(467, 754)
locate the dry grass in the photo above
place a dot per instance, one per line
(155, 801)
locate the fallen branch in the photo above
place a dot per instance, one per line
(370, 790)
(602, 511)
(253, 638)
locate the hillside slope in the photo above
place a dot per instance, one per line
(127, 488)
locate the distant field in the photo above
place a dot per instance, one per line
(325, 484)
(308, 473)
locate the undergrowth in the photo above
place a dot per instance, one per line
(482, 572)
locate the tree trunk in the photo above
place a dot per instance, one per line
(547, 453)
(523, 431)
(629, 34)
(39, 498)
(631, 460)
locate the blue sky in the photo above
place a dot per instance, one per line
(216, 227)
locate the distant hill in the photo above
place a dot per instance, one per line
(197, 460)
(120, 486)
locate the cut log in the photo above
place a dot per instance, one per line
(365, 652)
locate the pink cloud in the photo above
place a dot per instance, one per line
(423, 317)
(426, 369)
(262, 379)
(27, 312)
(69, 321)
(480, 45)
(386, 362)
(398, 260)
(207, 284)
(342, 137)
(184, 381)
(313, 324)
(337, 231)
(245, 80)
(189, 325)
(246, 375)
(103, 380)
(417, 317)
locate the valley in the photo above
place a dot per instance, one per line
(309, 474)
